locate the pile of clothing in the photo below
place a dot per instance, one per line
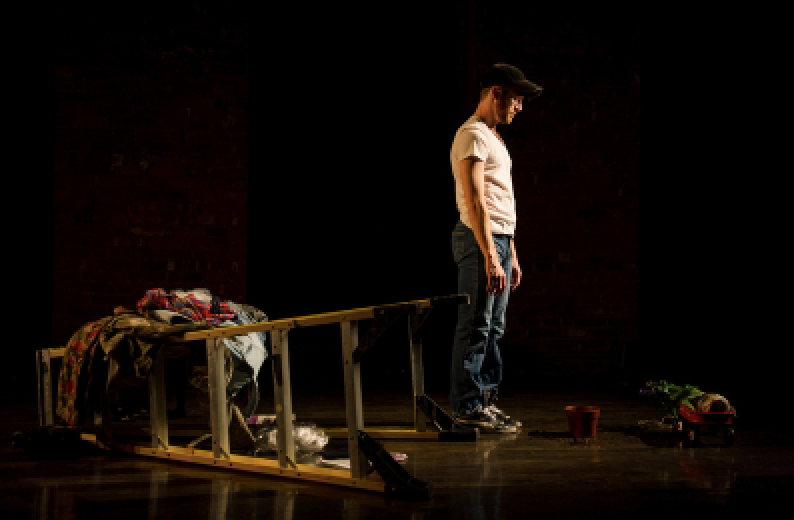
(670, 395)
(197, 306)
(118, 351)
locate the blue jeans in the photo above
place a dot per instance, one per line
(476, 361)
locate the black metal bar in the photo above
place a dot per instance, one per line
(448, 429)
(398, 482)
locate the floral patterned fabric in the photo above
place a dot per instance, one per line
(76, 372)
(112, 353)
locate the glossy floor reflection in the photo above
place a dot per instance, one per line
(540, 472)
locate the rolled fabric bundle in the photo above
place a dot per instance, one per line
(711, 402)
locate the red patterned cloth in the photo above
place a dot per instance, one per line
(189, 306)
(75, 375)
(109, 354)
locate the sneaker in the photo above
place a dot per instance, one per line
(503, 417)
(485, 421)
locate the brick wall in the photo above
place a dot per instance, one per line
(150, 181)
(379, 215)
(147, 195)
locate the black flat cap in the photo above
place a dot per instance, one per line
(509, 76)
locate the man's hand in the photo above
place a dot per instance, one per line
(515, 275)
(497, 279)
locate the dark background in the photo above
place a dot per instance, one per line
(142, 179)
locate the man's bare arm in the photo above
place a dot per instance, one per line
(472, 177)
(515, 276)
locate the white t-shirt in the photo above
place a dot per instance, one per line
(474, 139)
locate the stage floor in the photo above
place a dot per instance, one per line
(631, 469)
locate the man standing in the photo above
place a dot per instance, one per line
(483, 247)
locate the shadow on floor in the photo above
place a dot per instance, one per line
(652, 437)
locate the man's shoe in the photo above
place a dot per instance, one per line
(478, 418)
(503, 417)
(485, 421)
(501, 427)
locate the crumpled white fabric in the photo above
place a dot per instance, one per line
(170, 317)
(249, 347)
(308, 438)
(202, 295)
(707, 401)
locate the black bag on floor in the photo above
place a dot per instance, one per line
(53, 442)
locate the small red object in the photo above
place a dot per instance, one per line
(582, 420)
(696, 417)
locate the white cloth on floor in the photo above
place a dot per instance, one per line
(710, 402)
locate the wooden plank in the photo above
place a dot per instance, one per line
(425, 303)
(48, 403)
(284, 324)
(158, 417)
(254, 465)
(56, 352)
(362, 313)
(282, 396)
(353, 407)
(219, 421)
